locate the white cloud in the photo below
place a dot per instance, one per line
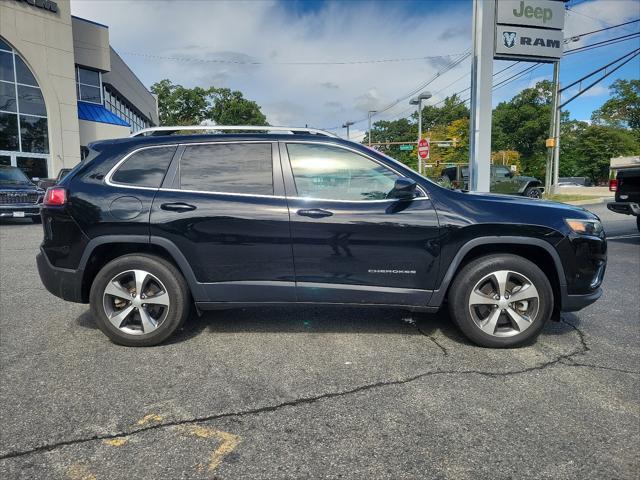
(596, 91)
(267, 31)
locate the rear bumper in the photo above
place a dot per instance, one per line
(573, 303)
(61, 282)
(626, 208)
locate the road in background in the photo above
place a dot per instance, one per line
(317, 392)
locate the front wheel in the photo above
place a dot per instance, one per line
(501, 301)
(139, 300)
(533, 192)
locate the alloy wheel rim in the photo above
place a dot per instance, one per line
(504, 303)
(534, 194)
(136, 302)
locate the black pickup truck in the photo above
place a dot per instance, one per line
(627, 188)
(19, 197)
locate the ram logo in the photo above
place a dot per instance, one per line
(509, 39)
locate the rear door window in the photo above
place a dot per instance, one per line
(145, 168)
(245, 168)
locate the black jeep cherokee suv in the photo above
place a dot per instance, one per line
(147, 225)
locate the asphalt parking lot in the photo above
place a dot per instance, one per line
(317, 392)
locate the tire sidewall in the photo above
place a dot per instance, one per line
(466, 280)
(533, 189)
(166, 273)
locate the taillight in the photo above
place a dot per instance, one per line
(613, 184)
(55, 197)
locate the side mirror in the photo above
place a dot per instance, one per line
(403, 189)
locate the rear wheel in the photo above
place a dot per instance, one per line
(533, 192)
(139, 300)
(501, 301)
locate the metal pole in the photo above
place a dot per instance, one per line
(549, 174)
(481, 82)
(419, 134)
(370, 113)
(556, 152)
(347, 131)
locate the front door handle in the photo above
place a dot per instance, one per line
(177, 207)
(314, 213)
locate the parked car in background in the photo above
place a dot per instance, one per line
(574, 182)
(45, 183)
(149, 225)
(627, 188)
(19, 196)
(503, 180)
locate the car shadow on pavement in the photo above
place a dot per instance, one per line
(329, 319)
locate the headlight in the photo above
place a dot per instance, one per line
(584, 227)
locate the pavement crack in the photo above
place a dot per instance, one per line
(581, 335)
(572, 363)
(414, 324)
(290, 403)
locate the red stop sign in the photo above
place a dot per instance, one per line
(423, 148)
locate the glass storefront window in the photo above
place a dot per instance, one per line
(33, 131)
(23, 117)
(7, 97)
(8, 131)
(89, 85)
(31, 101)
(5, 160)
(33, 167)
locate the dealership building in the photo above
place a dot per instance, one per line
(62, 87)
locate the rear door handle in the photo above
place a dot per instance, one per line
(314, 213)
(177, 207)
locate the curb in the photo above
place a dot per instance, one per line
(592, 201)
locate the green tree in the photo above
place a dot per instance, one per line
(597, 144)
(571, 158)
(178, 105)
(522, 124)
(231, 108)
(452, 109)
(623, 108)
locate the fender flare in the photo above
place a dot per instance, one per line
(197, 291)
(438, 295)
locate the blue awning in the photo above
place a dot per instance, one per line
(94, 112)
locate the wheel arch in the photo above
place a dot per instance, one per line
(536, 250)
(102, 250)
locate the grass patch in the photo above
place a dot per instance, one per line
(563, 197)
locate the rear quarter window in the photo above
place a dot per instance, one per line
(145, 168)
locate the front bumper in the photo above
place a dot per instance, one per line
(573, 303)
(19, 210)
(626, 208)
(61, 282)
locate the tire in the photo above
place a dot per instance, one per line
(36, 219)
(165, 300)
(481, 276)
(533, 192)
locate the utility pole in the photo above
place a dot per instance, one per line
(554, 135)
(481, 82)
(370, 113)
(347, 125)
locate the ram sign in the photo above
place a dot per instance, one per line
(529, 30)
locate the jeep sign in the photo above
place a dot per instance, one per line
(531, 13)
(529, 30)
(522, 43)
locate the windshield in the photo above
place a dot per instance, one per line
(13, 176)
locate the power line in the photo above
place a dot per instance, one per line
(576, 37)
(306, 63)
(592, 18)
(603, 43)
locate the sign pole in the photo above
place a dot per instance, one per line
(481, 83)
(553, 134)
(419, 134)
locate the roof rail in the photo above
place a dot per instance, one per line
(218, 128)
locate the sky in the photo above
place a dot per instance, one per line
(322, 63)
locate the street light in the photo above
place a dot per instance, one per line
(418, 101)
(370, 113)
(347, 125)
